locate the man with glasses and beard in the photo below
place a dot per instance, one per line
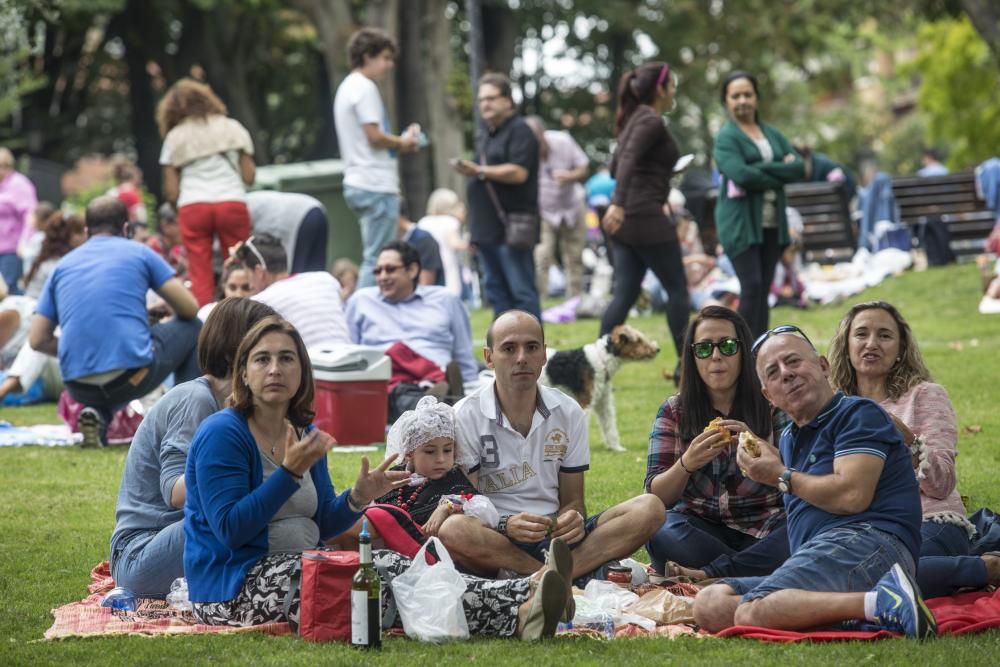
(428, 319)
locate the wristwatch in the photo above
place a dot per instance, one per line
(481, 173)
(785, 480)
(502, 524)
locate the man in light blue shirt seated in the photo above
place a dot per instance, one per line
(108, 352)
(429, 319)
(932, 166)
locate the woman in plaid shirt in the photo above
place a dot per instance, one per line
(719, 523)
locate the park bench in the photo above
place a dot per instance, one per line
(828, 233)
(951, 199)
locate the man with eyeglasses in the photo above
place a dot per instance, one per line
(853, 509)
(503, 179)
(310, 301)
(431, 321)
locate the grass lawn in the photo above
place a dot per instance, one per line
(57, 513)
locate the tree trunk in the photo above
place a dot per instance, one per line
(985, 17)
(444, 126)
(334, 25)
(619, 40)
(411, 92)
(230, 34)
(384, 14)
(501, 34)
(136, 27)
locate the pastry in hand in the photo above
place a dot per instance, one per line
(715, 424)
(750, 443)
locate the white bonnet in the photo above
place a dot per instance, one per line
(427, 421)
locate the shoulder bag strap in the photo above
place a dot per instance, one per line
(489, 188)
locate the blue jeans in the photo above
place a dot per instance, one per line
(175, 350)
(379, 220)
(847, 559)
(10, 268)
(720, 551)
(146, 562)
(945, 564)
(509, 278)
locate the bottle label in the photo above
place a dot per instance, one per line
(359, 618)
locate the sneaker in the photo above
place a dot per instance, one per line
(91, 425)
(899, 607)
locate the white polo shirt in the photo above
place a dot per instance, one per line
(517, 473)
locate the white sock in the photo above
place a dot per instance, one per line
(870, 598)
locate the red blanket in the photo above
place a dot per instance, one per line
(87, 618)
(956, 615)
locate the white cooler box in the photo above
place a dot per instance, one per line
(352, 392)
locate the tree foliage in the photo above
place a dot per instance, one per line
(958, 91)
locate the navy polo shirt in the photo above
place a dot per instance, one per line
(853, 425)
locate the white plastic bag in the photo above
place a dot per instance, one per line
(429, 598)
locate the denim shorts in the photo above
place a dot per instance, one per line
(846, 559)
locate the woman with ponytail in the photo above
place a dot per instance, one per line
(641, 234)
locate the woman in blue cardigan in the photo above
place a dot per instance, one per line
(259, 493)
(756, 161)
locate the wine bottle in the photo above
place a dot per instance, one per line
(366, 597)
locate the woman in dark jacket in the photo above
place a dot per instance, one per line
(756, 161)
(641, 234)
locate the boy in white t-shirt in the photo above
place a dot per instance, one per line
(371, 183)
(533, 453)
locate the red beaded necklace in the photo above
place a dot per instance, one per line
(405, 503)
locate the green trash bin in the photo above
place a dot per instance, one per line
(324, 180)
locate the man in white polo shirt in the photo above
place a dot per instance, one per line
(533, 453)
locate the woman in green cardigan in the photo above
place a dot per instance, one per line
(755, 161)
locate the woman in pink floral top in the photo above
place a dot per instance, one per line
(874, 355)
(719, 522)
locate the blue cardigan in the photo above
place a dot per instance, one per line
(229, 506)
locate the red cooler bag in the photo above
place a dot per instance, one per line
(325, 603)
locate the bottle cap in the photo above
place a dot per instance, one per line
(364, 528)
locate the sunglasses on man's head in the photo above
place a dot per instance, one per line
(777, 331)
(728, 346)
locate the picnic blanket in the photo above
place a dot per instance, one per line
(47, 435)
(960, 614)
(87, 618)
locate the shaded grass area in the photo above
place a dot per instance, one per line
(57, 512)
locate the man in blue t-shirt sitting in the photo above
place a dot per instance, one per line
(108, 353)
(853, 508)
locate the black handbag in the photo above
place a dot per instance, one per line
(521, 228)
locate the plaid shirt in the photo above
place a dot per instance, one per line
(718, 492)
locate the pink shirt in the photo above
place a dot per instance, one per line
(927, 410)
(17, 200)
(560, 204)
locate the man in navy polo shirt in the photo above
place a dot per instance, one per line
(108, 352)
(853, 508)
